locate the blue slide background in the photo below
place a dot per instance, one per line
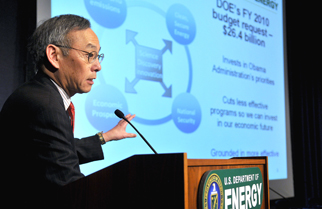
(190, 71)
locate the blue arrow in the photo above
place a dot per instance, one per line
(168, 91)
(130, 37)
(168, 45)
(129, 86)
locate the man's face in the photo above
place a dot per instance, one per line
(76, 72)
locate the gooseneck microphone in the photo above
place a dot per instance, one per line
(120, 114)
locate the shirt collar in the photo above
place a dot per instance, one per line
(66, 99)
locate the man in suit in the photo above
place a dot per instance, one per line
(37, 128)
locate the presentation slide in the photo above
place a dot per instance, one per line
(202, 77)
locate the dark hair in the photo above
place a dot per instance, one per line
(54, 31)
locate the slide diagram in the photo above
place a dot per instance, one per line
(148, 66)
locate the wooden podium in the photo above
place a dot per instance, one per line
(153, 181)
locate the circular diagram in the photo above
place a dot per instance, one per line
(148, 65)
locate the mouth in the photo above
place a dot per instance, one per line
(90, 81)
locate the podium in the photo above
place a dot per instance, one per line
(154, 181)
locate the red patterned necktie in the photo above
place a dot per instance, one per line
(71, 113)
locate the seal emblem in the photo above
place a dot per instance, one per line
(213, 194)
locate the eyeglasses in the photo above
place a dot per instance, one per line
(91, 55)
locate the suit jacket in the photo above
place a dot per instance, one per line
(37, 132)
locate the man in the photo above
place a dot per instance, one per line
(42, 153)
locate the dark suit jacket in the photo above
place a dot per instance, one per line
(37, 133)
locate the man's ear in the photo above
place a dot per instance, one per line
(53, 53)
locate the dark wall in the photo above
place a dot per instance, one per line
(18, 21)
(304, 57)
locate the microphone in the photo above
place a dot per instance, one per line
(120, 114)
